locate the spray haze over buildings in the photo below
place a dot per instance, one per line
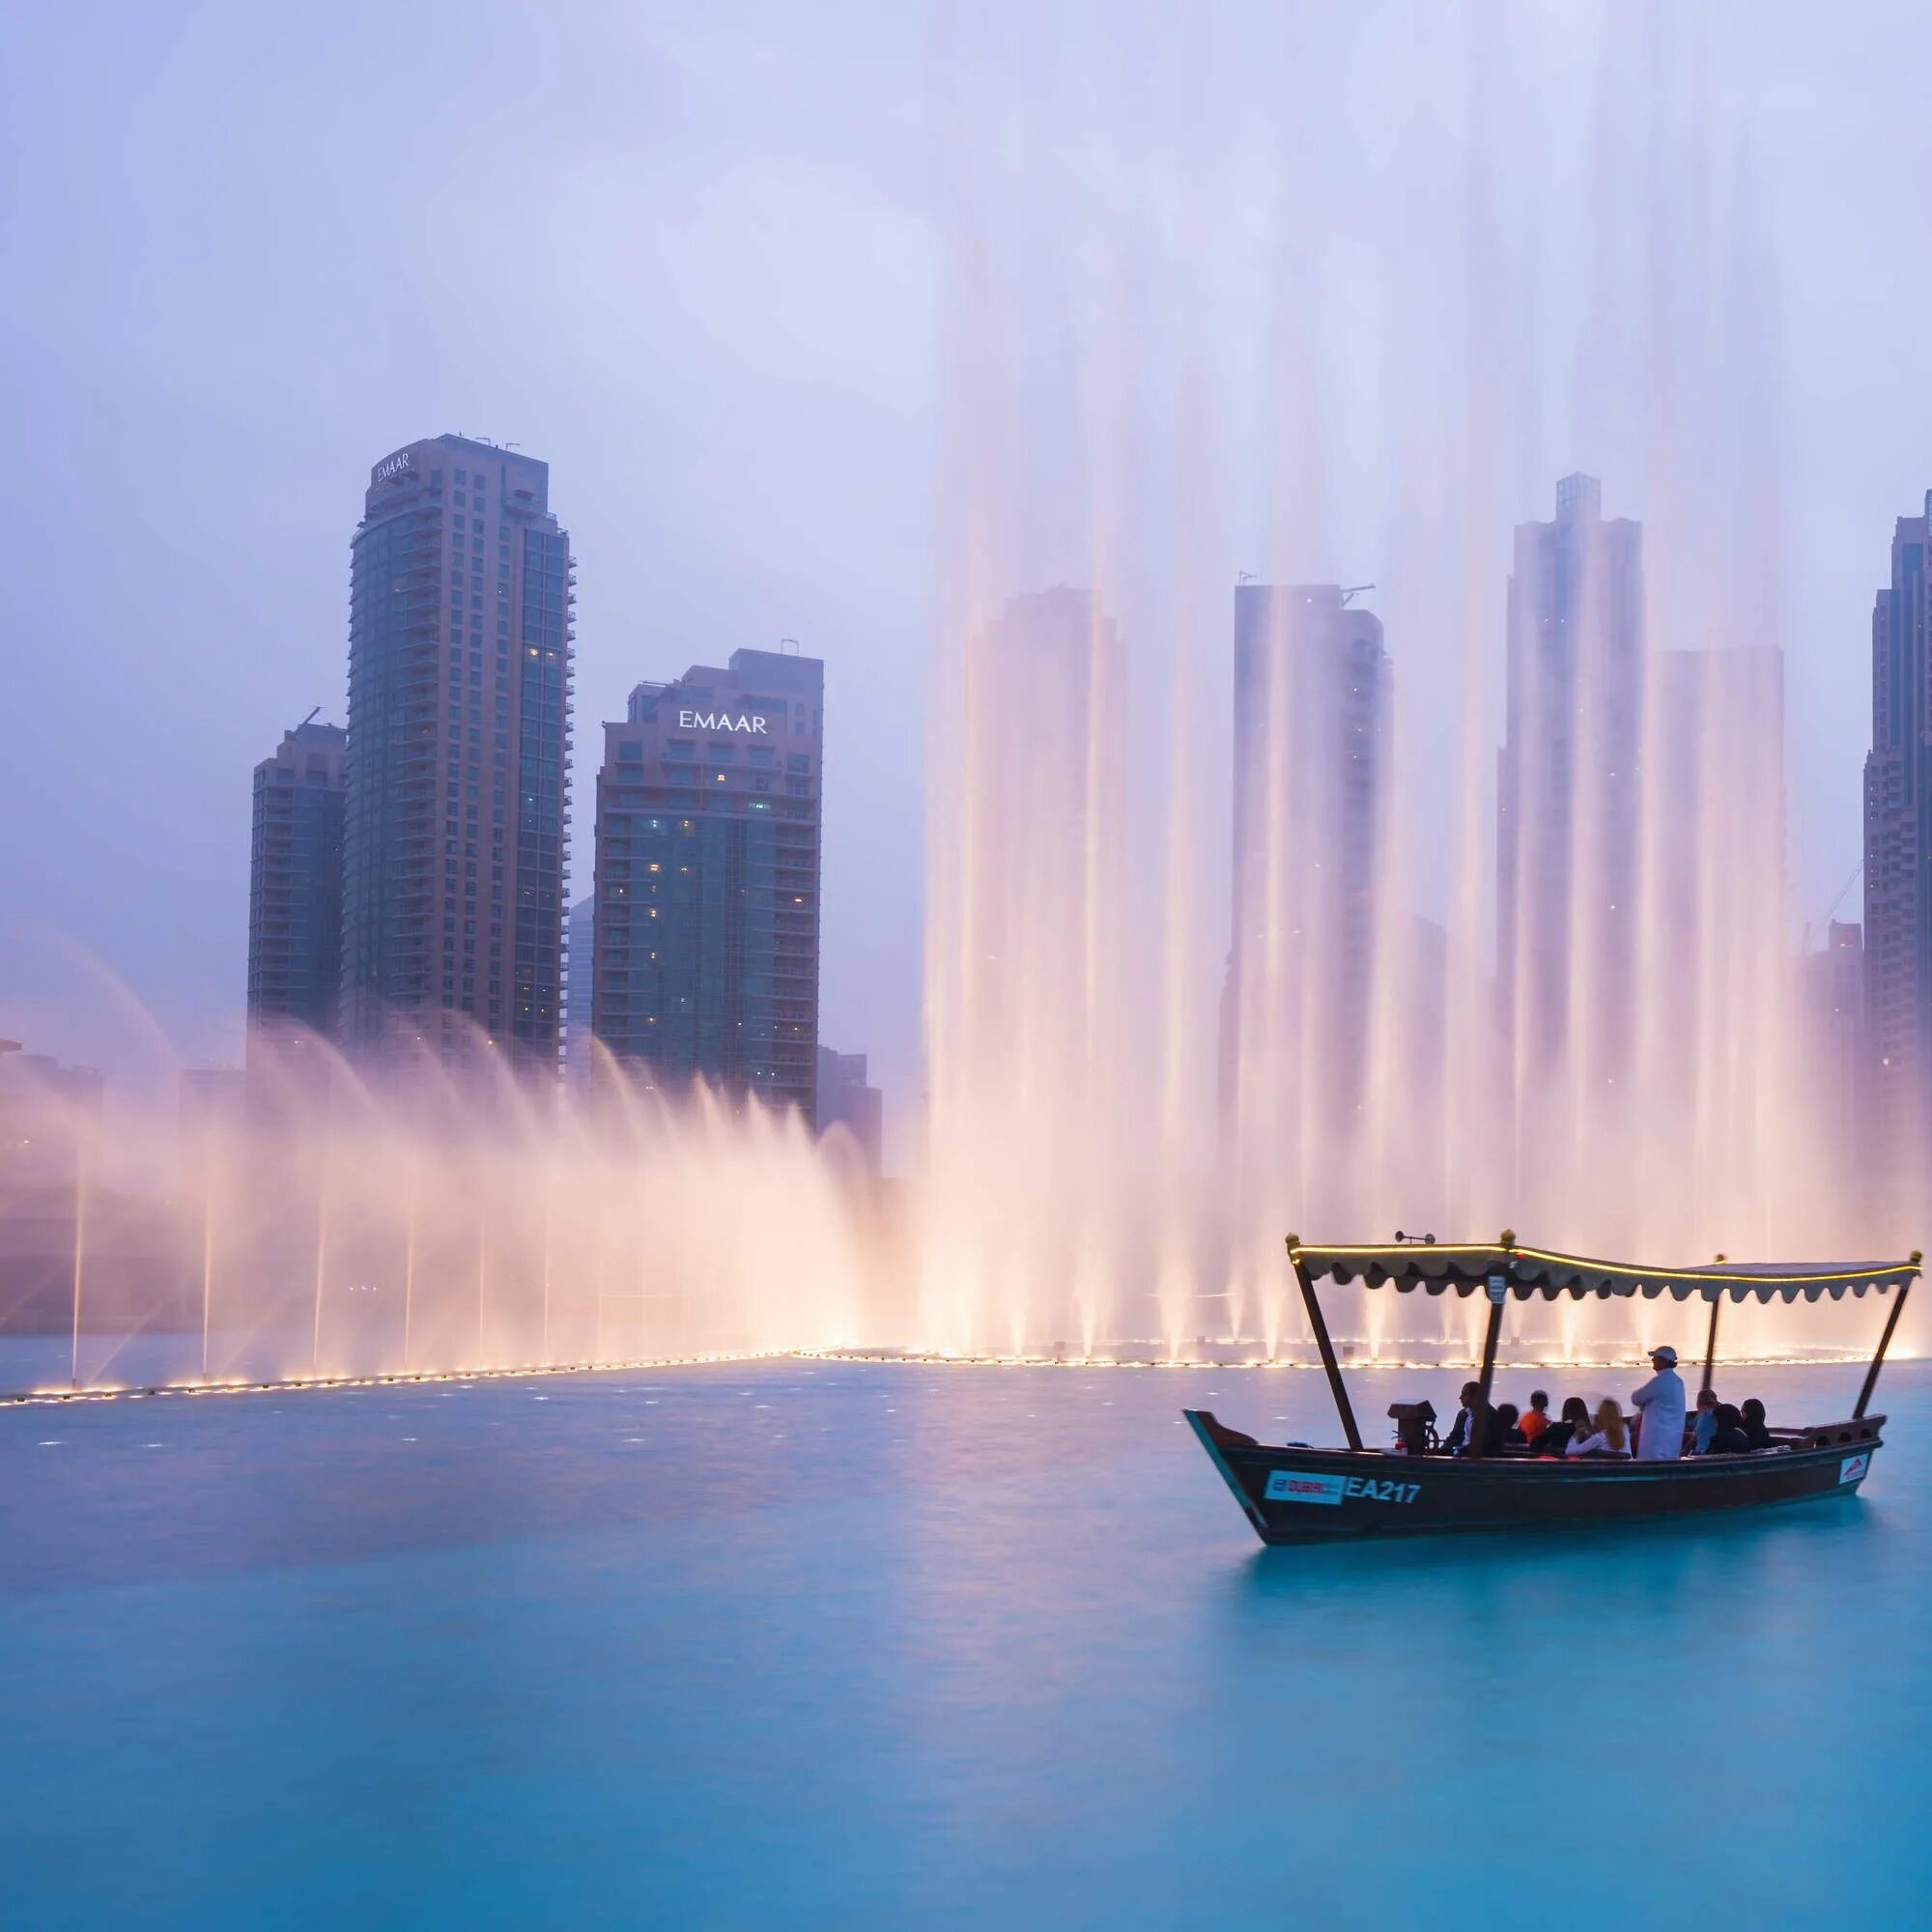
(1456, 900)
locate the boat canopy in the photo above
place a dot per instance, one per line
(1436, 1266)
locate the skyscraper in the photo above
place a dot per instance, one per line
(294, 885)
(706, 942)
(1569, 786)
(460, 649)
(1314, 700)
(1899, 850)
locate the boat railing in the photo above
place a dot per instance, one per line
(1833, 1435)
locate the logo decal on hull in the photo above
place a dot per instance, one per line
(1853, 1468)
(1284, 1485)
(1290, 1486)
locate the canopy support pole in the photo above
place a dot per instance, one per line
(1884, 1342)
(1490, 1333)
(1711, 1342)
(1336, 1387)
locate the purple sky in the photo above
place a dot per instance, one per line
(713, 262)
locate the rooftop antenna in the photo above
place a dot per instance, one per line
(783, 642)
(310, 720)
(1244, 577)
(1354, 590)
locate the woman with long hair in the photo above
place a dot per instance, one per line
(1569, 1427)
(1610, 1434)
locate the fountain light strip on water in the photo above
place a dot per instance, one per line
(885, 1358)
(240, 1386)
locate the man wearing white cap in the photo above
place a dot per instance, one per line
(1660, 1402)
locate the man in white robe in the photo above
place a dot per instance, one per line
(1661, 1403)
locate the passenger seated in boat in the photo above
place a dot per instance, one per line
(1706, 1424)
(1536, 1417)
(1728, 1438)
(1573, 1421)
(1610, 1434)
(1457, 1442)
(1751, 1418)
(1504, 1430)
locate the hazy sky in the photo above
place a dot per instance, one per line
(834, 321)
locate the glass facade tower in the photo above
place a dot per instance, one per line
(459, 656)
(1313, 705)
(1568, 785)
(294, 884)
(706, 925)
(1899, 850)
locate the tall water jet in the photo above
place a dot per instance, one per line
(1021, 1234)
(80, 1176)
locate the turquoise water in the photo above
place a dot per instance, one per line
(852, 1646)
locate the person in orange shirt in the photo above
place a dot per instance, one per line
(1535, 1418)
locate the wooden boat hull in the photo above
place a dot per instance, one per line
(1297, 1496)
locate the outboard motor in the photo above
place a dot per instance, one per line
(1415, 1427)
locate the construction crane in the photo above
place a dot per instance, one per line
(1825, 925)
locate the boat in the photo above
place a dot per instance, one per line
(1294, 1494)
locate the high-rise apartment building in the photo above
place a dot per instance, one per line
(1314, 702)
(706, 942)
(1569, 786)
(294, 885)
(460, 650)
(1898, 850)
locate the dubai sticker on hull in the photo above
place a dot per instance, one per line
(1290, 1485)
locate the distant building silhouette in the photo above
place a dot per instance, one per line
(1314, 708)
(846, 1100)
(1834, 996)
(1568, 785)
(51, 1122)
(459, 755)
(1898, 850)
(295, 887)
(706, 945)
(46, 1109)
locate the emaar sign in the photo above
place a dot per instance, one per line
(721, 720)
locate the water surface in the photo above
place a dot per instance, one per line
(817, 1645)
